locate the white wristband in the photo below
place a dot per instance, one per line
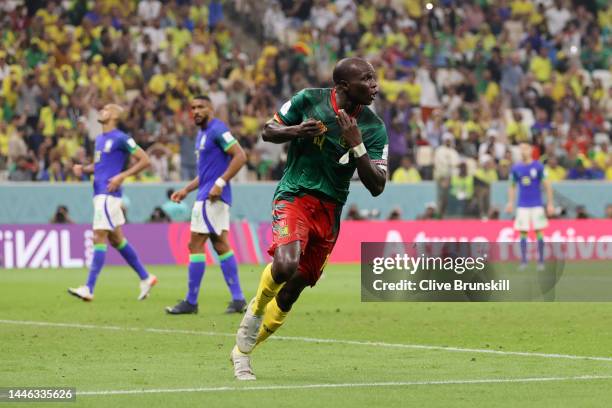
(220, 182)
(359, 150)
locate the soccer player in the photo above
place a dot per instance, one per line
(331, 132)
(530, 177)
(219, 158)
(112, 151)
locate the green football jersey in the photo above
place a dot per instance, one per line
(324, 164)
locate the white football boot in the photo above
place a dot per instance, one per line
(146, 285)
(82, 292)
(242, 365)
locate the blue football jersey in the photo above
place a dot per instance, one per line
(112, 153)
(211, 147)
(529, 179)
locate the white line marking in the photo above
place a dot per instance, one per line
(345, 385)
(313, 340)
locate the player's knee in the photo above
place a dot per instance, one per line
(284, 269)
(195, 246)
(221, 247)
(114, 241)
(100, 236)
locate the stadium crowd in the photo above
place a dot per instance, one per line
(461, 82)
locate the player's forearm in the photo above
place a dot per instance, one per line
(142, 163)
(549, 192)
(274, 132)
(372, 176)
(238, 160)
(511, 194)
(193, 184)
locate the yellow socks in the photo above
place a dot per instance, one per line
(266, 291)
(273, 319)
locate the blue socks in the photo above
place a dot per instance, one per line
(128, 253)
(197, 265)
(523, 247)
(540, 247)
(230, 273)
(96, 265)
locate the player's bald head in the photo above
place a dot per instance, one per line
(116, 110)
(111, 113)
(347, 69)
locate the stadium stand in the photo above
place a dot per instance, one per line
(459, 80)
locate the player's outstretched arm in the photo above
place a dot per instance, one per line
(142, 162)
(238, 160)
(180, 195)
(373, 177)
(275, 132)
(550, 206)
(511, 193)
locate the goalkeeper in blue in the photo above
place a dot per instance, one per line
(219, 158)
(530, 176)
(113, 149)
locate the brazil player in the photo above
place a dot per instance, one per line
(530, 176)
(219, 158)
(331, 132)
(112, 152)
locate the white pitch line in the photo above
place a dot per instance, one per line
(314, 340)
(344, 385)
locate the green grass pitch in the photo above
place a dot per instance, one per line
(366, 355)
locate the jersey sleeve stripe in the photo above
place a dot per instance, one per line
(229, 145)
(279, 119)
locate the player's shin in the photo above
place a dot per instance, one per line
(273, 319)
(523, 247)
(229, 267)
(540, 237)
(97, 262)
(130, 256)
(197, 265)
(267, 290)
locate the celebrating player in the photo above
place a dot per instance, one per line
(112, 151)
(530, 175)
(219, 158)
(331, 133)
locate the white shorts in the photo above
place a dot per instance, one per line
(108, 214)
(211, 219)
(527, 217)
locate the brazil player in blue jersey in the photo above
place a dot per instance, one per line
(530, 177)
(219, 158)
(112, 153)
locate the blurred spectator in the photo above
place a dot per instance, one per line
(461, 192)
(395, 214)
(406, 173)
(553, 171)
(446, 158)
(430, 212)
(24, 170)
(61, 216)
(177, 212)
(580, 172)
(484, 176)
(158, 215)
(581, 213)
(608, 211)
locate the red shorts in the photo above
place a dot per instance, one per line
(313, 222)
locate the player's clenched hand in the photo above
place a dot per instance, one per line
(178, 196)
(215, 193)
(77, 169)
(115, 183)
(350, 131)
(310, 128)
(509, 208)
